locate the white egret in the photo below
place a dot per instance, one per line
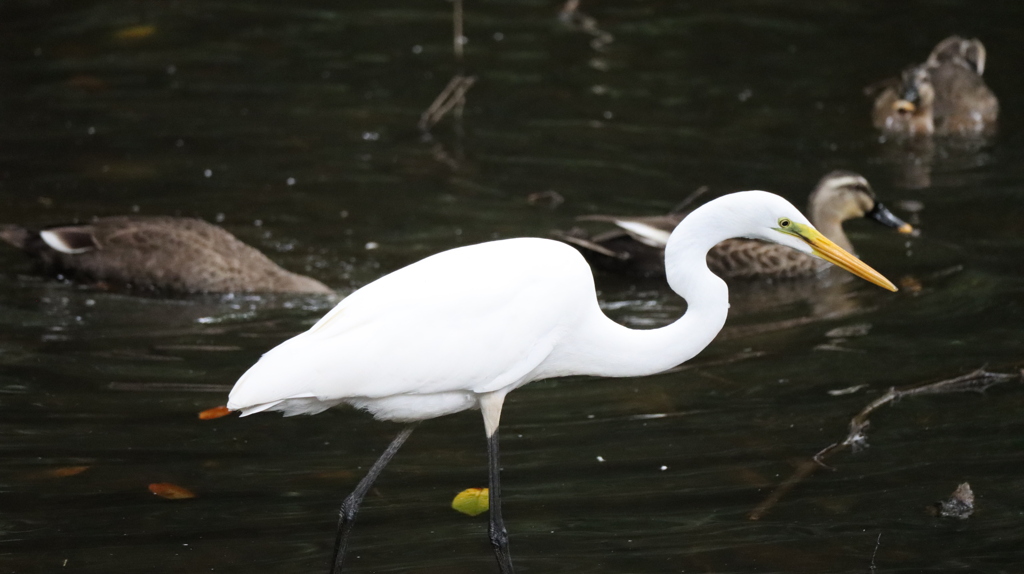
(460, 329)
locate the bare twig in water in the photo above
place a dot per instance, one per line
(454, 94)
(878, 542)
(573, 18)
(549, 198)
(585, 243)
(682, 205)
(977, 381)
(458, 38)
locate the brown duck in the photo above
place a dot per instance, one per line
(175, 254)
(636, 246)
(945, 95)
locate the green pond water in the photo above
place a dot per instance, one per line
(294, 125)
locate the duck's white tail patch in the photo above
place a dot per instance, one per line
(646, 234)
(69, 240)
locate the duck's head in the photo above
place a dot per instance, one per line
(906, 108)
(916, 93)
(969, 53)
(844, 195)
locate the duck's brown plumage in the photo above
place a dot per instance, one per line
(839, 196)
(157, 253)
(945, 95)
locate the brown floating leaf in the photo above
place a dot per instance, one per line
(472, 501)
(135, 32)
(87, 83)
(214, 413)
(67, 471)
(170, 491)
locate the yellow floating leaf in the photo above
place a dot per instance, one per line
(472, 501)
(214, 413)
(135, 32)
(170, 491)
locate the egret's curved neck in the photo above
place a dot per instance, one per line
(614, 350)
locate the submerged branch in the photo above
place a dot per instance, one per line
(454, 94)
(571, 16)
(977, 381)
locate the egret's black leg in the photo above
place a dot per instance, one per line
(350, 507)
(499, 536)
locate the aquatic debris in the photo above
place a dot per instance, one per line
(959, 505)
(976, 381)
(453, 96)
(857, 330)
(135, 32)
(171, 491)
(62, 472)
(472, 501)
(572, 18)
(87, 83)
(214, 413)
(911, 284)
(549, 198)
(67, 471)
(878, 542)
(847, 390)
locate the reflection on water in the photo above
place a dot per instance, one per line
(295, 126)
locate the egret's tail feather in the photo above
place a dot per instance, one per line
(290, 407)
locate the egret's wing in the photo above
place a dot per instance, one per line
(472, 319)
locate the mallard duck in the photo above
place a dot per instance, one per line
(944, 95)
(635, 246)
(176, 254)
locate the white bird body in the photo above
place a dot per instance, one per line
(488, 318)
(431, 338)
(425, 340)
(462, 328)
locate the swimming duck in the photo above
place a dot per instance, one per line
(176, 254)
(635, 246)
(944, 95)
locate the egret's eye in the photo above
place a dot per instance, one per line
(785, 223)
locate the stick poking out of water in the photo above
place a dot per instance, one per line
(977, 381)
(454, 94)
(571, 16)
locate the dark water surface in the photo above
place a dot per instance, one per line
(294, 124)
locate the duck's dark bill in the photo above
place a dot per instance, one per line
(882, 215)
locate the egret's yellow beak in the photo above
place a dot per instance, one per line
(824, 248)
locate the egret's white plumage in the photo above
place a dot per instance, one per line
(424, 340)
(462, 328)
(430, 338)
